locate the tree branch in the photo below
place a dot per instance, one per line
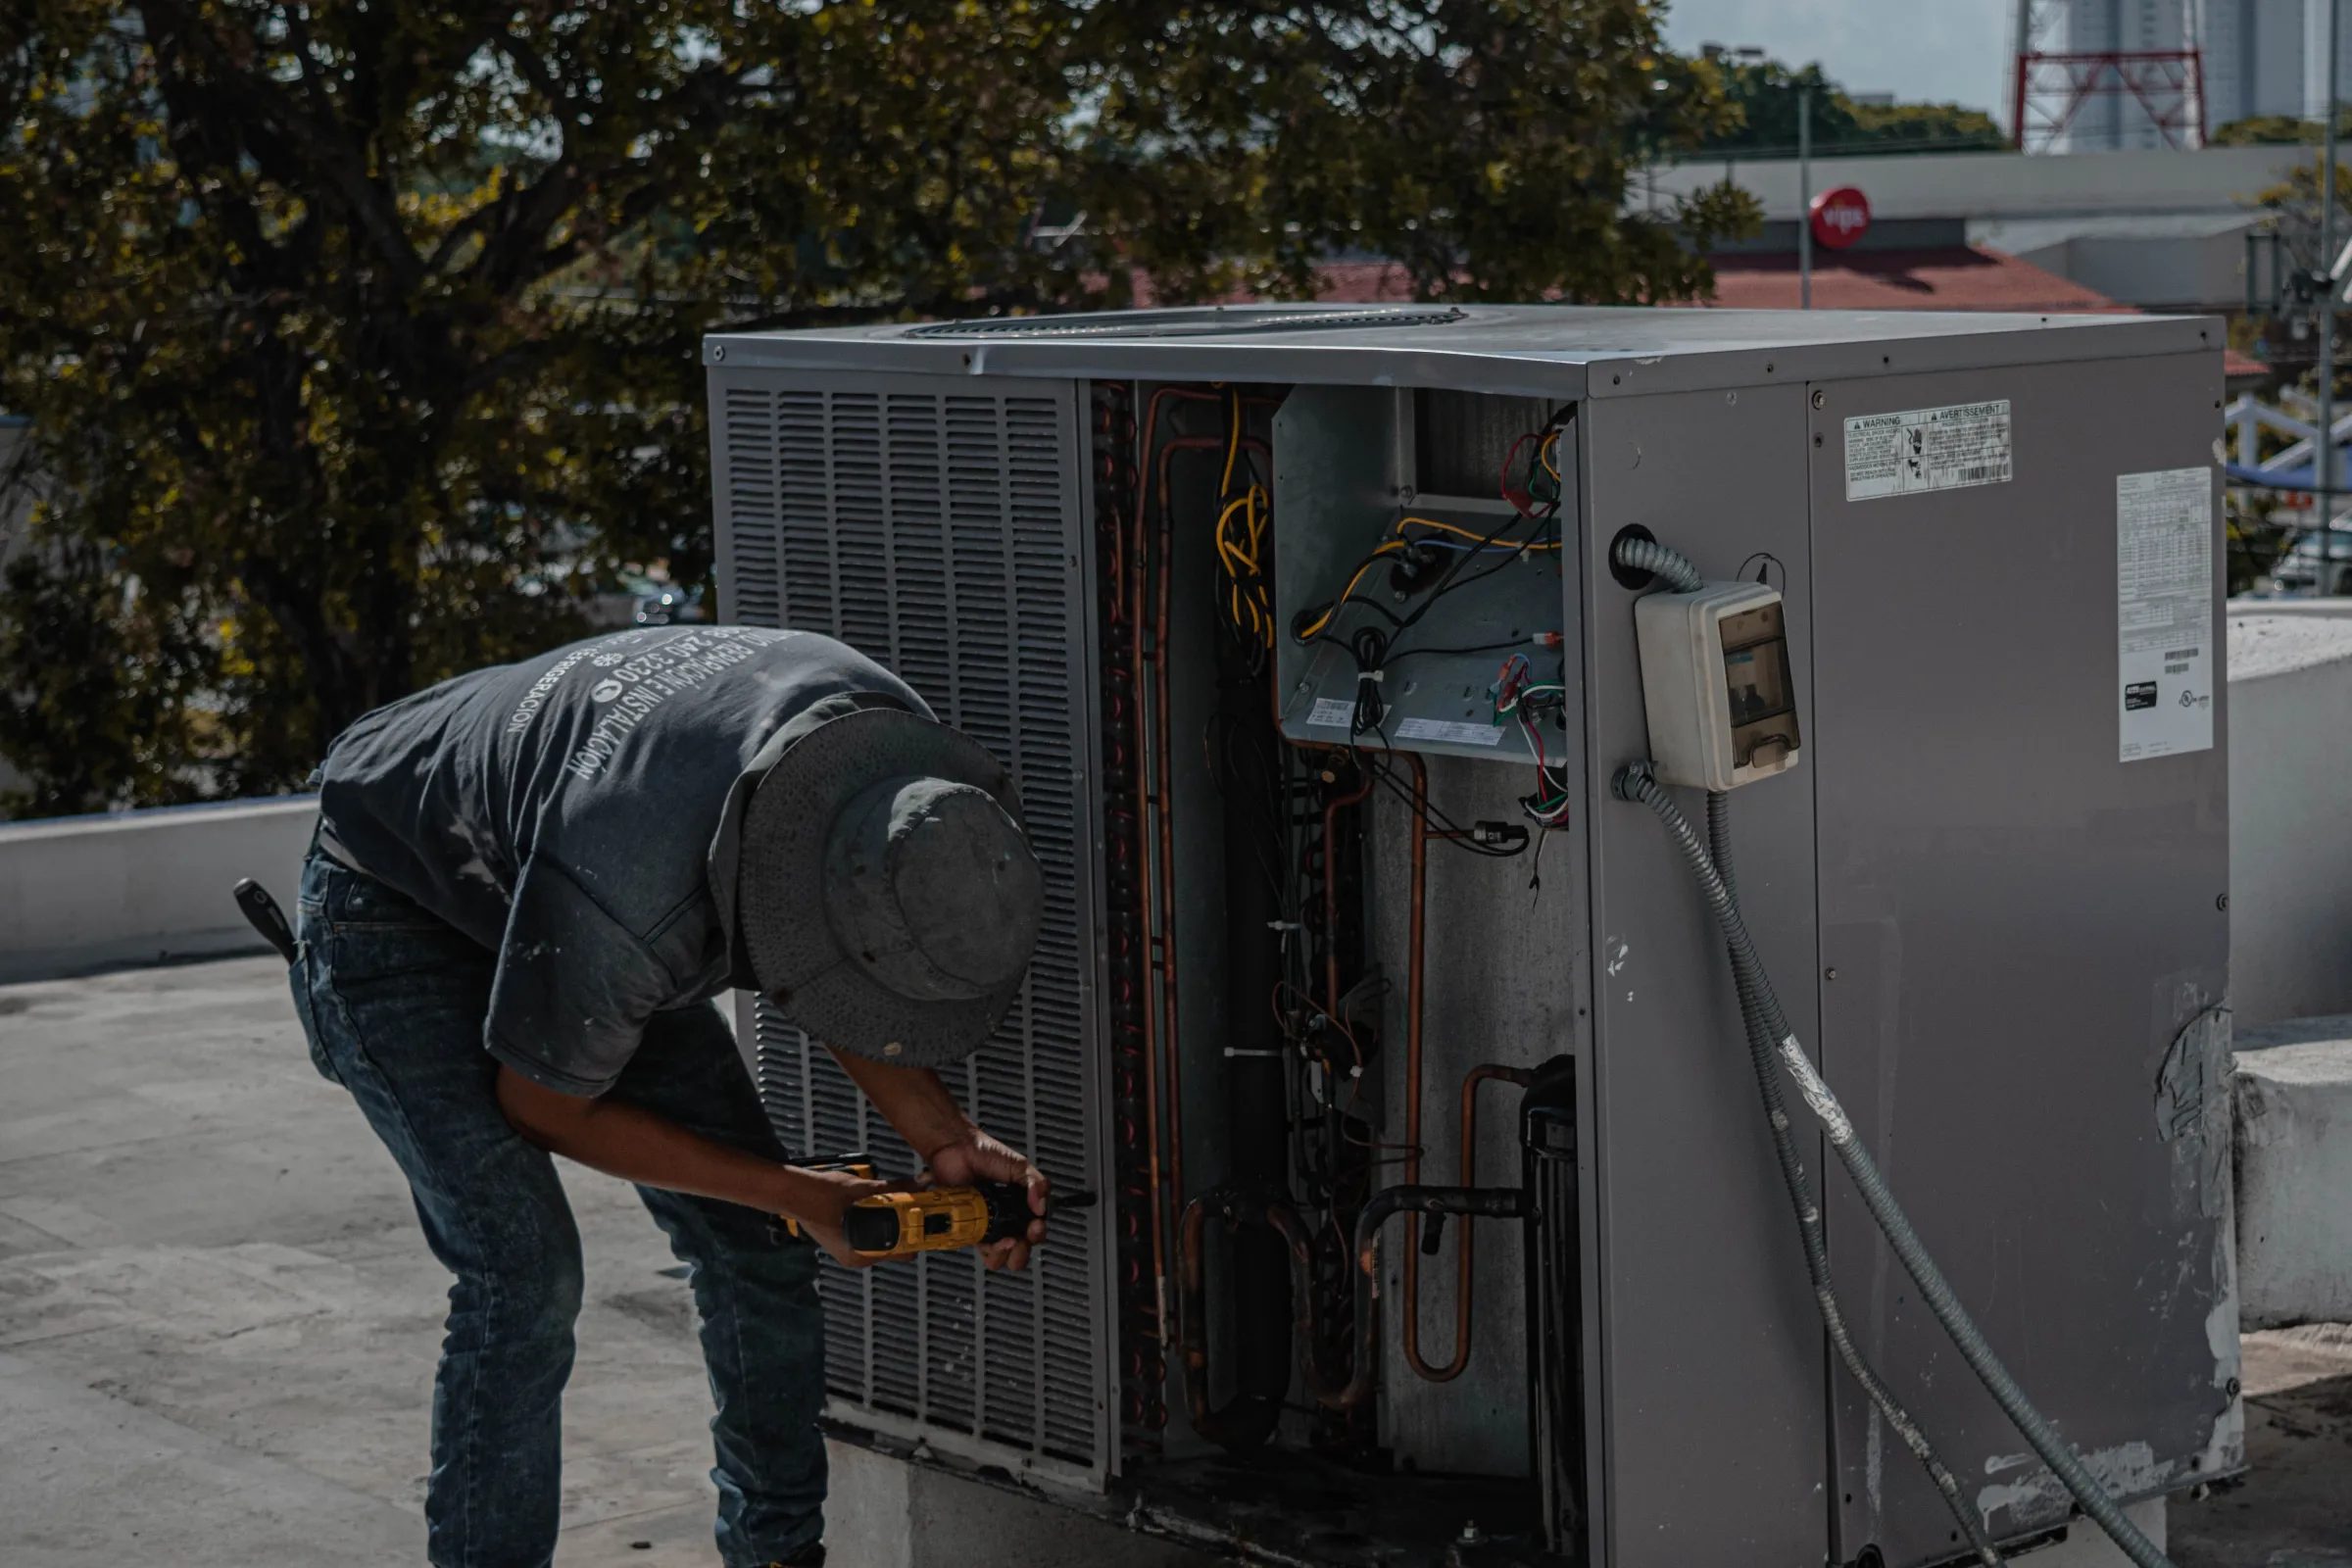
(291, 143)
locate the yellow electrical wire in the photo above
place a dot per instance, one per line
(1245, 595)
(1398, 541)
(1471, 534)
(1389, 547)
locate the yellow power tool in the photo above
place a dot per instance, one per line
(938, 1219)
(935, 1219)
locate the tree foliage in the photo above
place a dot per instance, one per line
(1766, 94)
(2265, 131)
(359, 336)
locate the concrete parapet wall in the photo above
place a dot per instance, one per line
(883, 1512)
(2295, 1172)
(85, 892)
(2291, 808)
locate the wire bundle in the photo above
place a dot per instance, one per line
(1241, 539)
(1540, 496)
(1517, 694)
(1412, 551)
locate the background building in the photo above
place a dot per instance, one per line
(2151, 230)
(2254, 55)
(2262, 59)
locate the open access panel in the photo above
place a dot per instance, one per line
(1310, 637)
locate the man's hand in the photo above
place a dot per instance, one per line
(953, 1147)
(821, 1211)
(978, 1158)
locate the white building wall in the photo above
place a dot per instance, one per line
(2314, 59)
(2291, 855)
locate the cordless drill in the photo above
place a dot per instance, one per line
(936, 1219)
(939, 1218)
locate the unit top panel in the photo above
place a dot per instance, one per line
(1529, 350)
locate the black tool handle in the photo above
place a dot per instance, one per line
(263, 912)
(871, 1230)
(1008, 1212)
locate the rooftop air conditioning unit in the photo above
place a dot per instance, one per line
(1319, 641)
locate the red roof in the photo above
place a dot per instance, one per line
(2236, 367)
(1952, 277)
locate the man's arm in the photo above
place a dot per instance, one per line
(950, 1144)
(632, 1143)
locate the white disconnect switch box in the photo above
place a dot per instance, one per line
(1715, 683)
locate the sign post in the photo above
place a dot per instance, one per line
(1804, 198)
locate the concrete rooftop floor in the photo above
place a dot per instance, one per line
(217, 1320)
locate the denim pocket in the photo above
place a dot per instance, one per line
(297, 976)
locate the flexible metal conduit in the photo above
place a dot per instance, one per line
(1635, 783)
(1762, 1058)
(1670, 567)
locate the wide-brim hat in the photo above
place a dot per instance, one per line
(888, 898)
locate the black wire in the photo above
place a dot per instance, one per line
(1442, 588)
(1438, 589)
(1373, 605)
(1431, 818)
(1483, 647)
(1369, 646)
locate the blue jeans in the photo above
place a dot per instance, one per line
(393, 1001)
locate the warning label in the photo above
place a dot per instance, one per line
(2164, 611)
(1459, 734)
(1927, 449)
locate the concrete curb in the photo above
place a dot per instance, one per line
(81, 893)
(2295, 1172)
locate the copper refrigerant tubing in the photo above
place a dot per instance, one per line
(1163, 807)
(1139, 560)
(1159, 1025)
(1153, 748)
(1486, 1072)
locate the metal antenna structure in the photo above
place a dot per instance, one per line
(2049, 86)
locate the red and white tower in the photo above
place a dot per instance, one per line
(2107, 74)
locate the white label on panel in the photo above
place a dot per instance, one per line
(1927, 449)
(2164, 610)
(1332, 712)
(1457, 732)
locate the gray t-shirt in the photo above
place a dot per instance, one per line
(577, 814)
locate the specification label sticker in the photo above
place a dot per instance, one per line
(1455, 732)
(1332, 712)
(2164, 611)
(1927, 449)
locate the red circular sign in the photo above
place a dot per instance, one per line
(1840, 217)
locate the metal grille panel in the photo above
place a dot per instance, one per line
(937, 526)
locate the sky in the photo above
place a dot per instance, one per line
(1931, 50)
